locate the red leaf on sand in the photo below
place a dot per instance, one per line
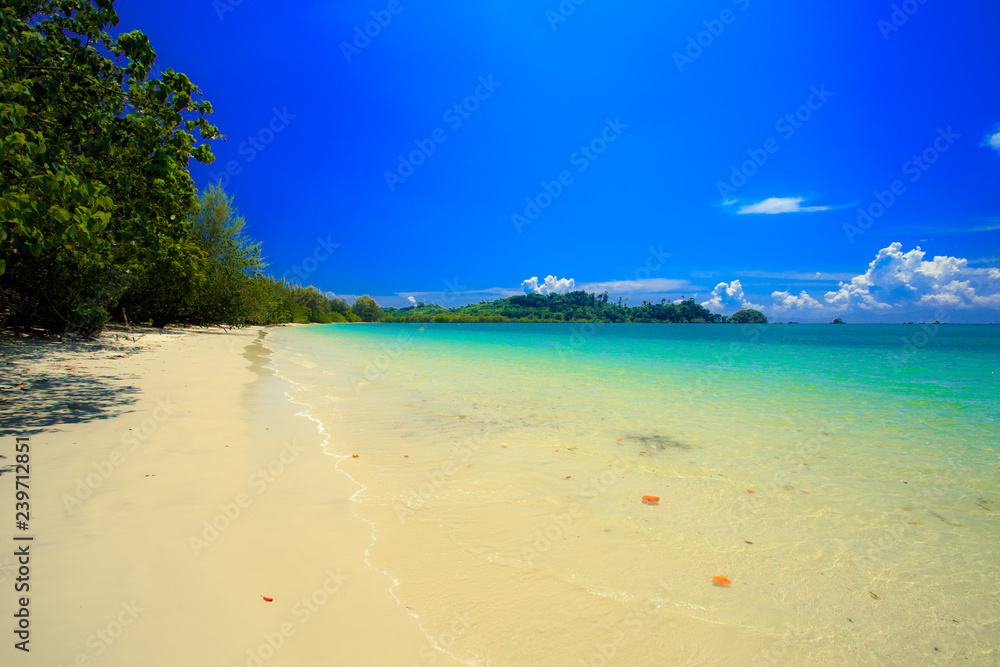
(268, 599)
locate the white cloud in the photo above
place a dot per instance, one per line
(550, 286)
(411, 299)
(773, 205)
(785, 302)
(895, 283)
(899, 281)
(728, 297)
(993, 141)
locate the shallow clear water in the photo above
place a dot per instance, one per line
(846, 479)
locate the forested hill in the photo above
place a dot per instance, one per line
(576, 306)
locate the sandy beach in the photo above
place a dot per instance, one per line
(175, 482)
(172, 488)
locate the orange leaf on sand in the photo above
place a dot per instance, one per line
(720, 580)
(354, 456)
(650, 499)
(268, 599)
(749, 490)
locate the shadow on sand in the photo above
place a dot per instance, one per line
(38, 392)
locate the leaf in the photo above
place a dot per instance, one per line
(59, 213)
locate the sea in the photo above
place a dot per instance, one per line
(632, 494)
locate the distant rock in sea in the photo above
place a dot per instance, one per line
(837, 320)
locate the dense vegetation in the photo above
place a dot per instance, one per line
(99, 215)
(100, 218)
(748, 316)
(576, 306)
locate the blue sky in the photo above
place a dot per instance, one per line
(457, 150)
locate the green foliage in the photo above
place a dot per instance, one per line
(285, 302)
(578, 306)
(366, 309)
(94, 186)
(748, 316)
(209, 276)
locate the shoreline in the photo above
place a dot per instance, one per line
(173, 487)
(176, 486)
(497, 495)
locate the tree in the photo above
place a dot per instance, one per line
(233, 261)
(94, 182)
(748, 316)
(366, 308)
(207, 277)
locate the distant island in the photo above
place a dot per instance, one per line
(578, 306)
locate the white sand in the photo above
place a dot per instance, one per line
(132, 452)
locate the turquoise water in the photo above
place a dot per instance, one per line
(846, 479)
